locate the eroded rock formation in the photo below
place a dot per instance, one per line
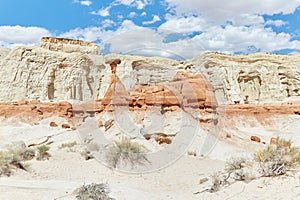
(69, 45)
(36, 73)
(64, 69)
(255, 78)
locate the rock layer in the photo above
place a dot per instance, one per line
(35, 73)
(69, 45)
(64, 69)
(255, 78)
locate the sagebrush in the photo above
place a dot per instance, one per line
(274, 160)
(126, 151)
(94, 192)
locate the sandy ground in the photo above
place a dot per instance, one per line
(66, 170)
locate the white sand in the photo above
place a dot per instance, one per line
(67, 170)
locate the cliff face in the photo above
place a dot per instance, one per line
(64, 69)
(69, 46)
(264, 78)
(256, 78)
(38, 73)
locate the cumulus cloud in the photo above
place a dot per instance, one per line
(139, 4)
(104, 12)
(184, 24)
(218, 11)
(87, 34)
(108, 23)
(277, 23)
(18, 35)
(235, 26)
(84, 2)
(154, 20)
(132, 14)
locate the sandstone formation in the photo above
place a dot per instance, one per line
(256, 78)
(32, 112)
(64, 69)
(183, 91)
(69, 46)
(36, 73)
(246, 79)
(3, 52)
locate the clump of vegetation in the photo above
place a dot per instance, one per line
(14, 158)
(276, 159)
(5, 159)
(68, 145)
(23, 154)
(126, 151)
(93, 192)
(43, 153)
(87, 154)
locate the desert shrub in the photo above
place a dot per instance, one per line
(217, 181)
(14, 158)
(278, 158)
(126, 151)
(93, 192)
(5, 159)
(68, 145)
(235, 163)
(22, 154)
(87, 154)
(43, 153)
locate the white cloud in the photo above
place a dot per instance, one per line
(142, 4)
(87, 34)
(139, 4)
(183, 24)
(125, 2)
(18, 35)
(154, 20)
(143, 14)
(104, 12)
(277, 23)
(219, 11)
(132, 14)
(84, 2)
(108, 23)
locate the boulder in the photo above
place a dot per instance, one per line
(255, 139)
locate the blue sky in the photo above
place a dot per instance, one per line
(182, 27)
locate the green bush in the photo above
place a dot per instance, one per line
(278, 158)
(43, 152)
(126, 151)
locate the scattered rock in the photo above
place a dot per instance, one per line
(100, 123)
(273, 140)
(53, 124)
(108, 124)
(255, 139)
(65, 126)
(163, 140)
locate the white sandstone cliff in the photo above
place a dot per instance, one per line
(264, 78)
(37, 73)
(63, 69)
